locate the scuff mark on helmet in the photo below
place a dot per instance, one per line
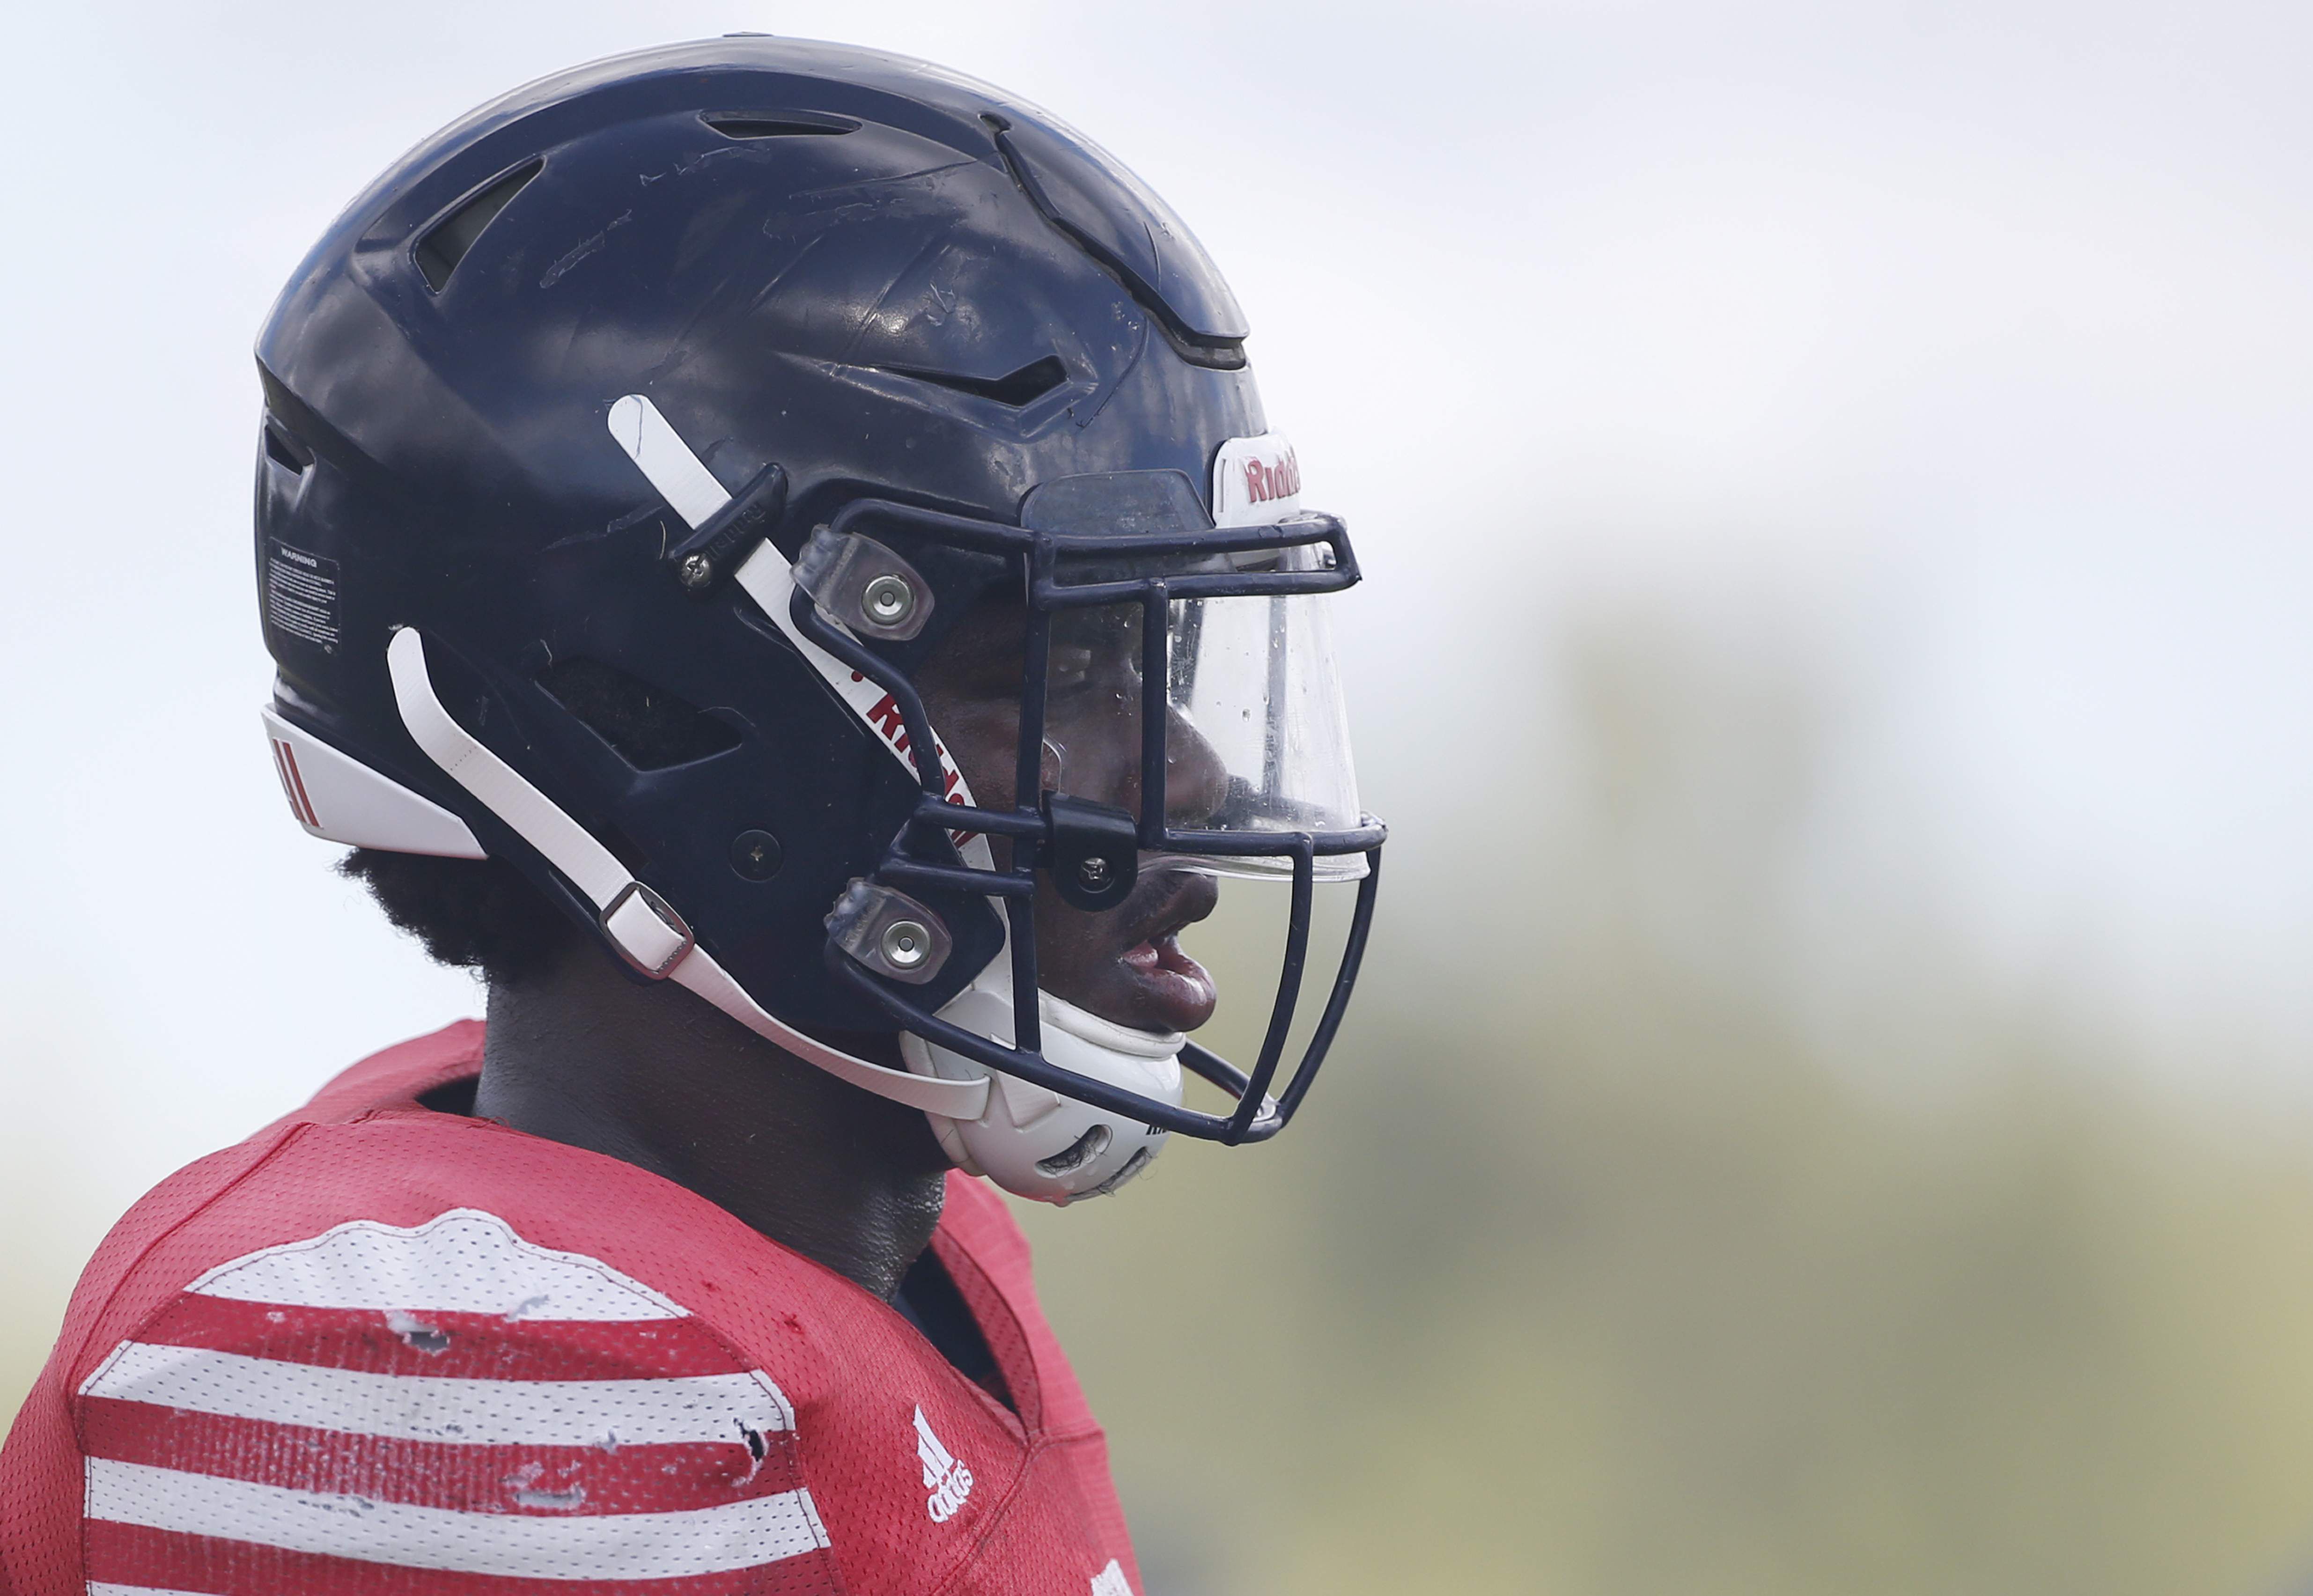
(586, 247)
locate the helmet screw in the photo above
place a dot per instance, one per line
(695, 572)
(905, 944)
(888, 600)
(756, 856)
(1093, 872)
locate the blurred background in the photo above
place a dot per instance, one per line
(1831, 1104)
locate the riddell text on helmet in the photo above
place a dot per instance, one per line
(1263, 481)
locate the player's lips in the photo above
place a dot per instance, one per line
(1162, 987)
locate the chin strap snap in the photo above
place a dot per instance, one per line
(646, 930)
(643, 927)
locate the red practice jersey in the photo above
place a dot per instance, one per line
(377, 1350)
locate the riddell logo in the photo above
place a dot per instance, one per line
(892, 724)
(887, 718)
(948, 1480)
(1256, 480)
(1263, 481)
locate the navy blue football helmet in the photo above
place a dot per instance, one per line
(776, 384)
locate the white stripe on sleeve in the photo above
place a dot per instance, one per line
(693, 1408)
(462, 1261)
(635, 1546)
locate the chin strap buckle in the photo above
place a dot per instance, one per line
(646, 930)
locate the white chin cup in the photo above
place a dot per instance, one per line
(1034, 1141)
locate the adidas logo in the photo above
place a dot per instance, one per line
(948, 1481)
(1111, 1581)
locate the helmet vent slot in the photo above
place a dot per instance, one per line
(1030, 383)
(784, 123)
(1079, 1153)
(283, 448)
(441, 247)
(1066, 205)
(648, 727)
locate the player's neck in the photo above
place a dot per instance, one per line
(652, 1075)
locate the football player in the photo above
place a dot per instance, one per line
(774, 556)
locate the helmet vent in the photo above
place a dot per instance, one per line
(283, 448)
(648, 727)
(786, 124)
(1030, 383)
(1212, 333)
(444, 244)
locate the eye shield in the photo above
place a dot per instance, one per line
(1253, 733)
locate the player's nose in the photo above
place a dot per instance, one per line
(1196, 782)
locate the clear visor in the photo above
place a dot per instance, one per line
(1256, 744)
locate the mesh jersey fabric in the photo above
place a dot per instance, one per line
(377, 1350)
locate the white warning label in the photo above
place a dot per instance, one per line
(301, 595)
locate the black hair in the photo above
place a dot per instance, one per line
(476, 913)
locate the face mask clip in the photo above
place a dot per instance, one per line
(864, 585)
(889, 933)
(1092, 852)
